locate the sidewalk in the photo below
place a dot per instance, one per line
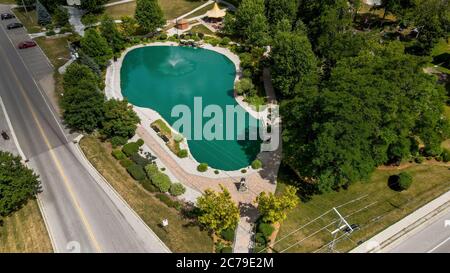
(400, 230)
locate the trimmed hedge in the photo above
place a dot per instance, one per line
(227, 234)
(136, 171)
(118, 154)
(203, 167)
(260, 239)
(177, 189)
(266, 230)
(140, 160)
(161, 181)
(130, 148)
(168, 201)
(256, 164)
(126, 162)
(147, 184)
(140, 142)
(151, 170)
(118, 141)
(182, 153)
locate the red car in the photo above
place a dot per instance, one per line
(27, 44)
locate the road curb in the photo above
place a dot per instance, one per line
(106, 183)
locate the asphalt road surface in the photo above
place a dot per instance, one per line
(433, 238)
(82, 213)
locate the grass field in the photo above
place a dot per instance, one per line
(29, 20)
(24, 231)
(57, 50)
(171, 8)
(7, 1)
(201, 29)
(378, 208)
(181, 235)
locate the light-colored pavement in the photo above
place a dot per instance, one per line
(433, 238)
(80, 211)
(118, 3)
(75, 19)
(416, 232)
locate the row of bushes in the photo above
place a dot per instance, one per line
(262, 236)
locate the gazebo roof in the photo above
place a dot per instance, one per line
(216, 12)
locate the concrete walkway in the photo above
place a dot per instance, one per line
(401, 230)
(118, 3)
(75, 19)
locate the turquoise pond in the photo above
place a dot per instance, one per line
(161, 77)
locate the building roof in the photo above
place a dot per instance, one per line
(216, 12)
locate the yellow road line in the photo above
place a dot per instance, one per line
(56, 161)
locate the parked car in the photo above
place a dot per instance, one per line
(14, 25)
(6, 16)
(26, 44)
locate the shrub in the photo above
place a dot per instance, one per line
(244, 86)
(243, 171)
(419, 159)
(446, 155)
(136, 171)
(151, 170)
(118, 154)
(163, 36)
(118, 141)
(141, 161)
(182, 153)
(203, 167)
(226, 249)
(225, 41)
(228, 234)
(168, 201)
(50, 33)
(260, 239)
(404, 180)
(216, 171)
(266, 229)
(201, 35)
(177, 189)
(256, 164)
(126, 162)
(161, 181)
(130, 148)
(140, 142)
(147, 184)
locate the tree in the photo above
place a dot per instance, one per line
(43, 16)
(61, 16)
(355, 123)
(250, 22)
(218, 211)
(96, 47)
(93, 6)
(277, 10)
(18, 183)
(274, 208)
(77, 73)
(245, 87)
(108, 30)
(26, 3)
(119, 119)
(129, 26)
(82, 108)
(294, 65)
(149, 15)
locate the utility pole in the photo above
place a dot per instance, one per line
(341, 225)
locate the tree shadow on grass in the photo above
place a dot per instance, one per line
(393, 183)
(305, 190)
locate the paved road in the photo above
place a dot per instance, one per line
(434, 238)
(81, 211)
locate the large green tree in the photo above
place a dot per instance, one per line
(218, 211)
(277, 10)
(370, 112)
(17, 183)
(109, 31)
(96, 47)
(119, 119)
(149, 15)
(294, 65)
(250, 22)
(93, 6)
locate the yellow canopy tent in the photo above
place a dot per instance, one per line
(216, 12)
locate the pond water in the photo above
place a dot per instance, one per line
(162, 77)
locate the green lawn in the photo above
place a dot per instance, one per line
(7, 1)
(201, 29)
(28, 19)
(180, 236)
(24, 231)
(378, 208)
(57, 50)
(118, 11)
